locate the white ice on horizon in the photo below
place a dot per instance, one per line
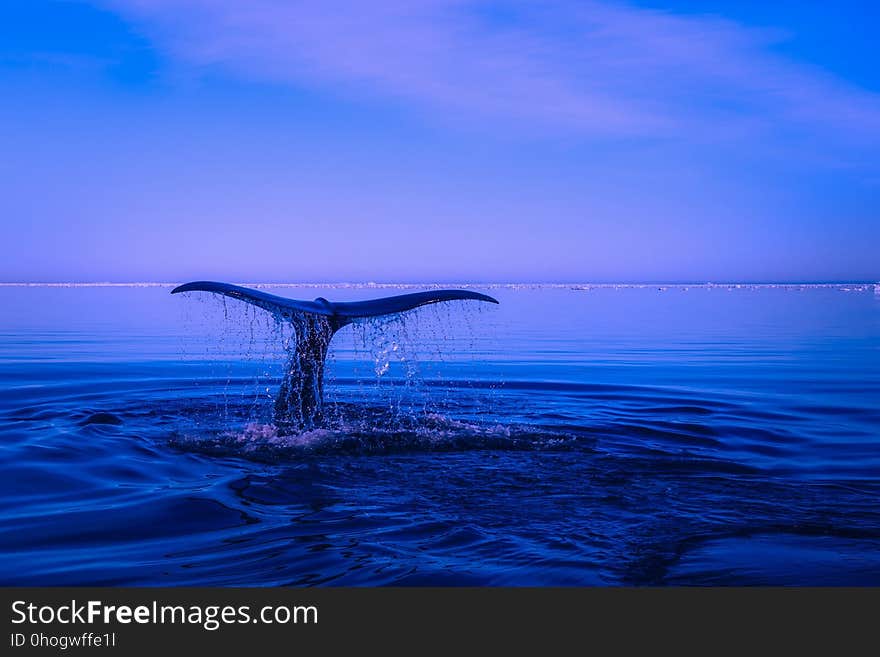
(844, 287)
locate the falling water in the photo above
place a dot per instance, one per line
(384, 380)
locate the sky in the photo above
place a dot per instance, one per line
(439, 140)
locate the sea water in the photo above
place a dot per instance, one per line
(572, 435)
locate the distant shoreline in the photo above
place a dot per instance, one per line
(855, 286)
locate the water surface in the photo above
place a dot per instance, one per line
(572, 435)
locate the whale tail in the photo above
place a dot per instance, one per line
(299, 404)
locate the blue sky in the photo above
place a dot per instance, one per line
(439, 140)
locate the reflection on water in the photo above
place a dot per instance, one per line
(600, 435)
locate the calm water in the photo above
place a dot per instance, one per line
(595, 436)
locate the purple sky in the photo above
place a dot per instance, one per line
(439, 140)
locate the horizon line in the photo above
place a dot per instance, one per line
(380, 284)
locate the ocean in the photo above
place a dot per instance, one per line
(571, 435)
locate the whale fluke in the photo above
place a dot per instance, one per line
(342, 312)
(299, 404)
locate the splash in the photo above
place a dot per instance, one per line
(393, 360)
(430, 432)
(300, 401)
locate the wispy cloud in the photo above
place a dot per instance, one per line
(597, 68)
